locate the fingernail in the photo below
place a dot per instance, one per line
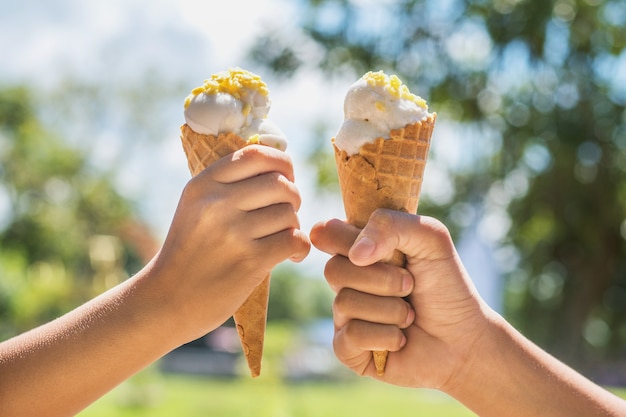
(410, 318)
(364, 247)
(402, 341)
(407, 283)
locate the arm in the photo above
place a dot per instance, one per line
(526, 381)
(444, 337)
(240, 214)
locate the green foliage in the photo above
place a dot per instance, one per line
(61, 201)
(529, 88)
(180, 396)
(294, 297)
(280, 58)
(56, 204)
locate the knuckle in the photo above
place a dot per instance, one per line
(343, 299)
(382, 219)
(351, 329)
(250, 152)
(437, 227)
(439, 234)
(192, 189)
(339, 316)
(330, 273)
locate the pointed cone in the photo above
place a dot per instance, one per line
(385, 174)
(251, 317)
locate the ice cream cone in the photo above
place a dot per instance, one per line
(385, 174)
(251, 317)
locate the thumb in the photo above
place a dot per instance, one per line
(377, 240)
(418, 237)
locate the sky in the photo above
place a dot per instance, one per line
(119, 41)
(186, 40)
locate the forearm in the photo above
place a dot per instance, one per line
(62, 366)
(511, 376)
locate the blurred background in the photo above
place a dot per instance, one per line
(527, 168)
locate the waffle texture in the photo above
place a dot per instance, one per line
(251, 317)
(388, 174)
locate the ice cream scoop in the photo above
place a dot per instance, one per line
(374, 105)
(234, 101)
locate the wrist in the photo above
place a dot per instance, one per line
(476, 356)
(158, 308)
(507, 374)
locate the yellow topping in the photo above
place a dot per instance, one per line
(394, 86)
(236, 81)
(246, 109)
(254, 140)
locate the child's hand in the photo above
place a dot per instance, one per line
(235, 221)
(428, 337)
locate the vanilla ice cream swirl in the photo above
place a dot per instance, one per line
(234, 101)
(374, 105)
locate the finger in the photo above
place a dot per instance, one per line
(248, 162)
(350, 304)
(379, 279)
(301, 247)
(269, 220)
(264, 190)
(334, 237)
(416, 236)
(290, 244)
(357, 336)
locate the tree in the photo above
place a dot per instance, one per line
(296, 297)
(530, 88)
(63, 223)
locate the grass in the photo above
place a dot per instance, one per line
(151, 393)
(156, 395)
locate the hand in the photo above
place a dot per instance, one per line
(431, 336)
(235, 221)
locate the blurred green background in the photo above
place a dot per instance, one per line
(527, 169)
(277, 392)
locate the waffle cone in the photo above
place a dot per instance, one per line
(251, 317)
(385, 174)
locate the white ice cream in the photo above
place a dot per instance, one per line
(374, 105)
(234, 101)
